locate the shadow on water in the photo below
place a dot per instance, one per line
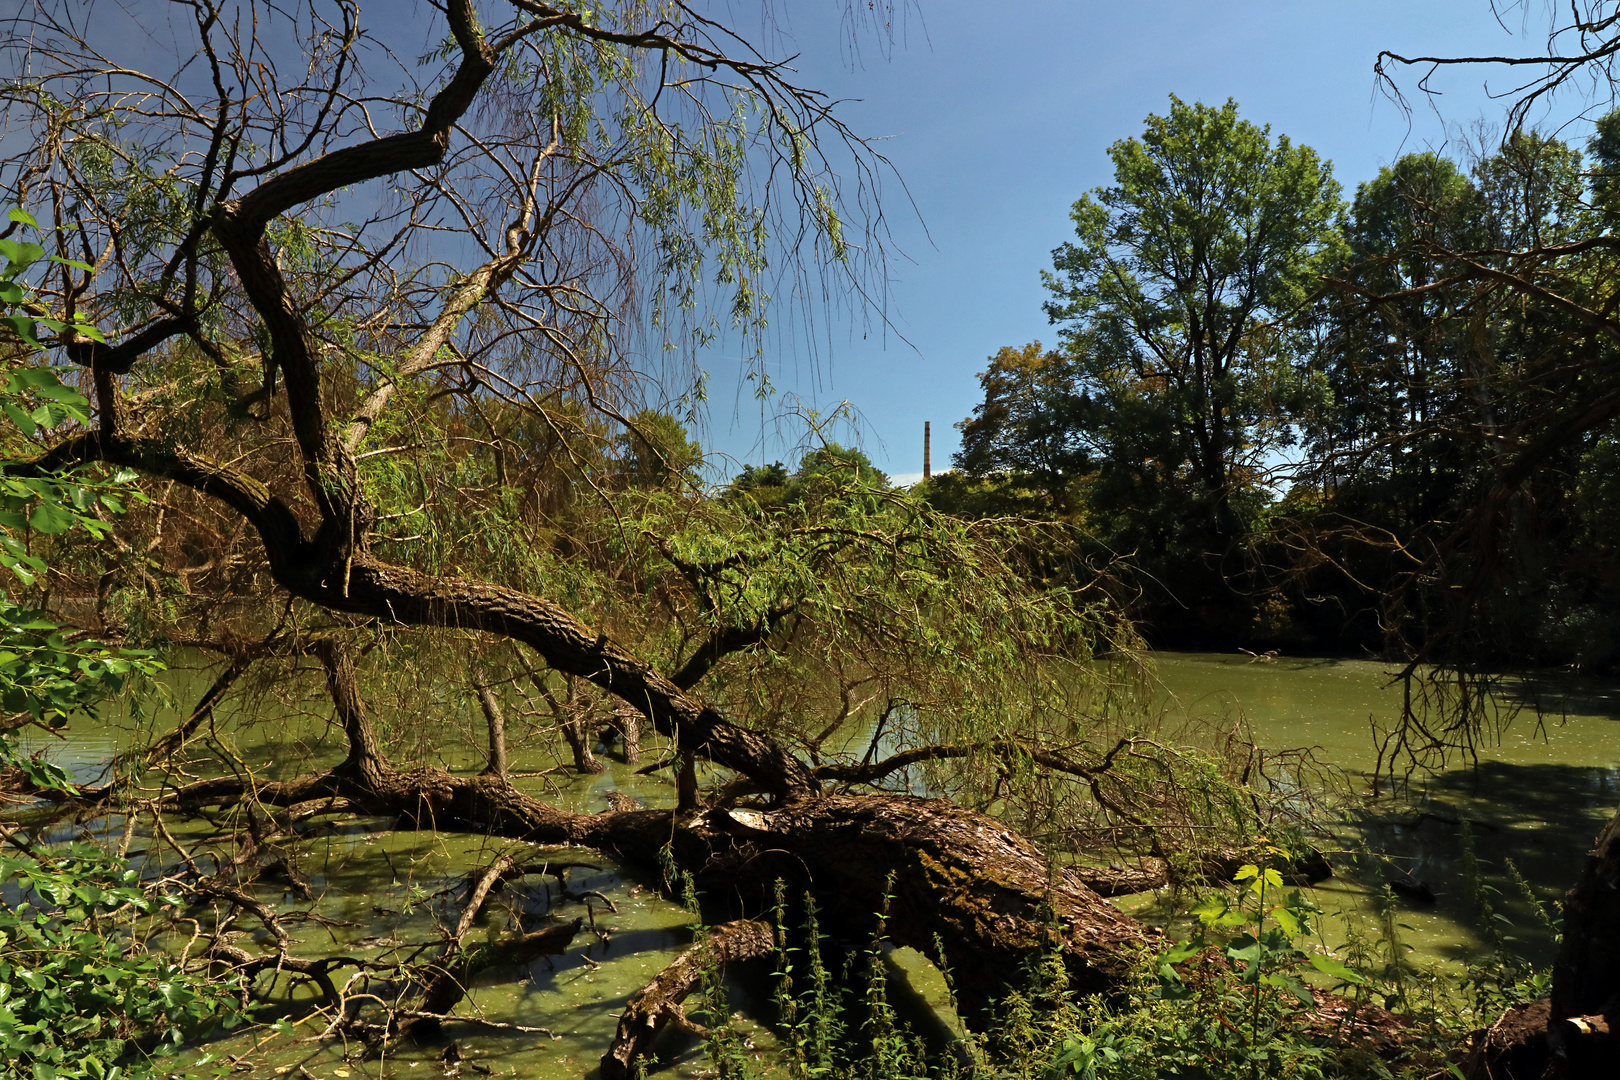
(1531, 823)
(1557, 696)
(1537, 798)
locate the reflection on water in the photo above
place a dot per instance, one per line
(1537, 799)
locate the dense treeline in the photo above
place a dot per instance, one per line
(1279, 407)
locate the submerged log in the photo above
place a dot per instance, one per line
(453, 974)
(658, 1004)
(457, 966)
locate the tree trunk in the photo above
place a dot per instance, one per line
(1586, 978)
(627, 722)
(579, 733)
(496, 720)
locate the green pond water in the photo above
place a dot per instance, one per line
(1537, 799)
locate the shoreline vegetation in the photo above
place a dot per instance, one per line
(332, 364)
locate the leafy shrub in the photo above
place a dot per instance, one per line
(78, 996)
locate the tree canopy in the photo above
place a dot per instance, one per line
(1179, 301)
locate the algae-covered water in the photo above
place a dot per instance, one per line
(381, 895)
(1537, 797)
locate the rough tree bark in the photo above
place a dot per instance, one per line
(627, 725)
(495, 719)
(1584, 1024)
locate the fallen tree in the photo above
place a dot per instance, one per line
(294, 383)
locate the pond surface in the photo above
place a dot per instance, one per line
(1537, 799)
(381, 895)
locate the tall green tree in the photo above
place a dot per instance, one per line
(657, 451)
(1180, 298)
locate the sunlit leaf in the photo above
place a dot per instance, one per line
(1337, 969)
(50, 517)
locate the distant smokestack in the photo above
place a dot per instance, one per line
(928, 438)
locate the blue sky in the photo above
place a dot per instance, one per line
(998, 116)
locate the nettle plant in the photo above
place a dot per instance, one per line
(1241, 977)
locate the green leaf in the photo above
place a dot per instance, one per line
(1290, 922)
(48, 416)
(1337, 969)
(1181, 953)
(23, 327)
(50, 518)
(1246, 949)
(21, 254)
(24, 422)
(67, 395)
(1292, 985)
(18, 214)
